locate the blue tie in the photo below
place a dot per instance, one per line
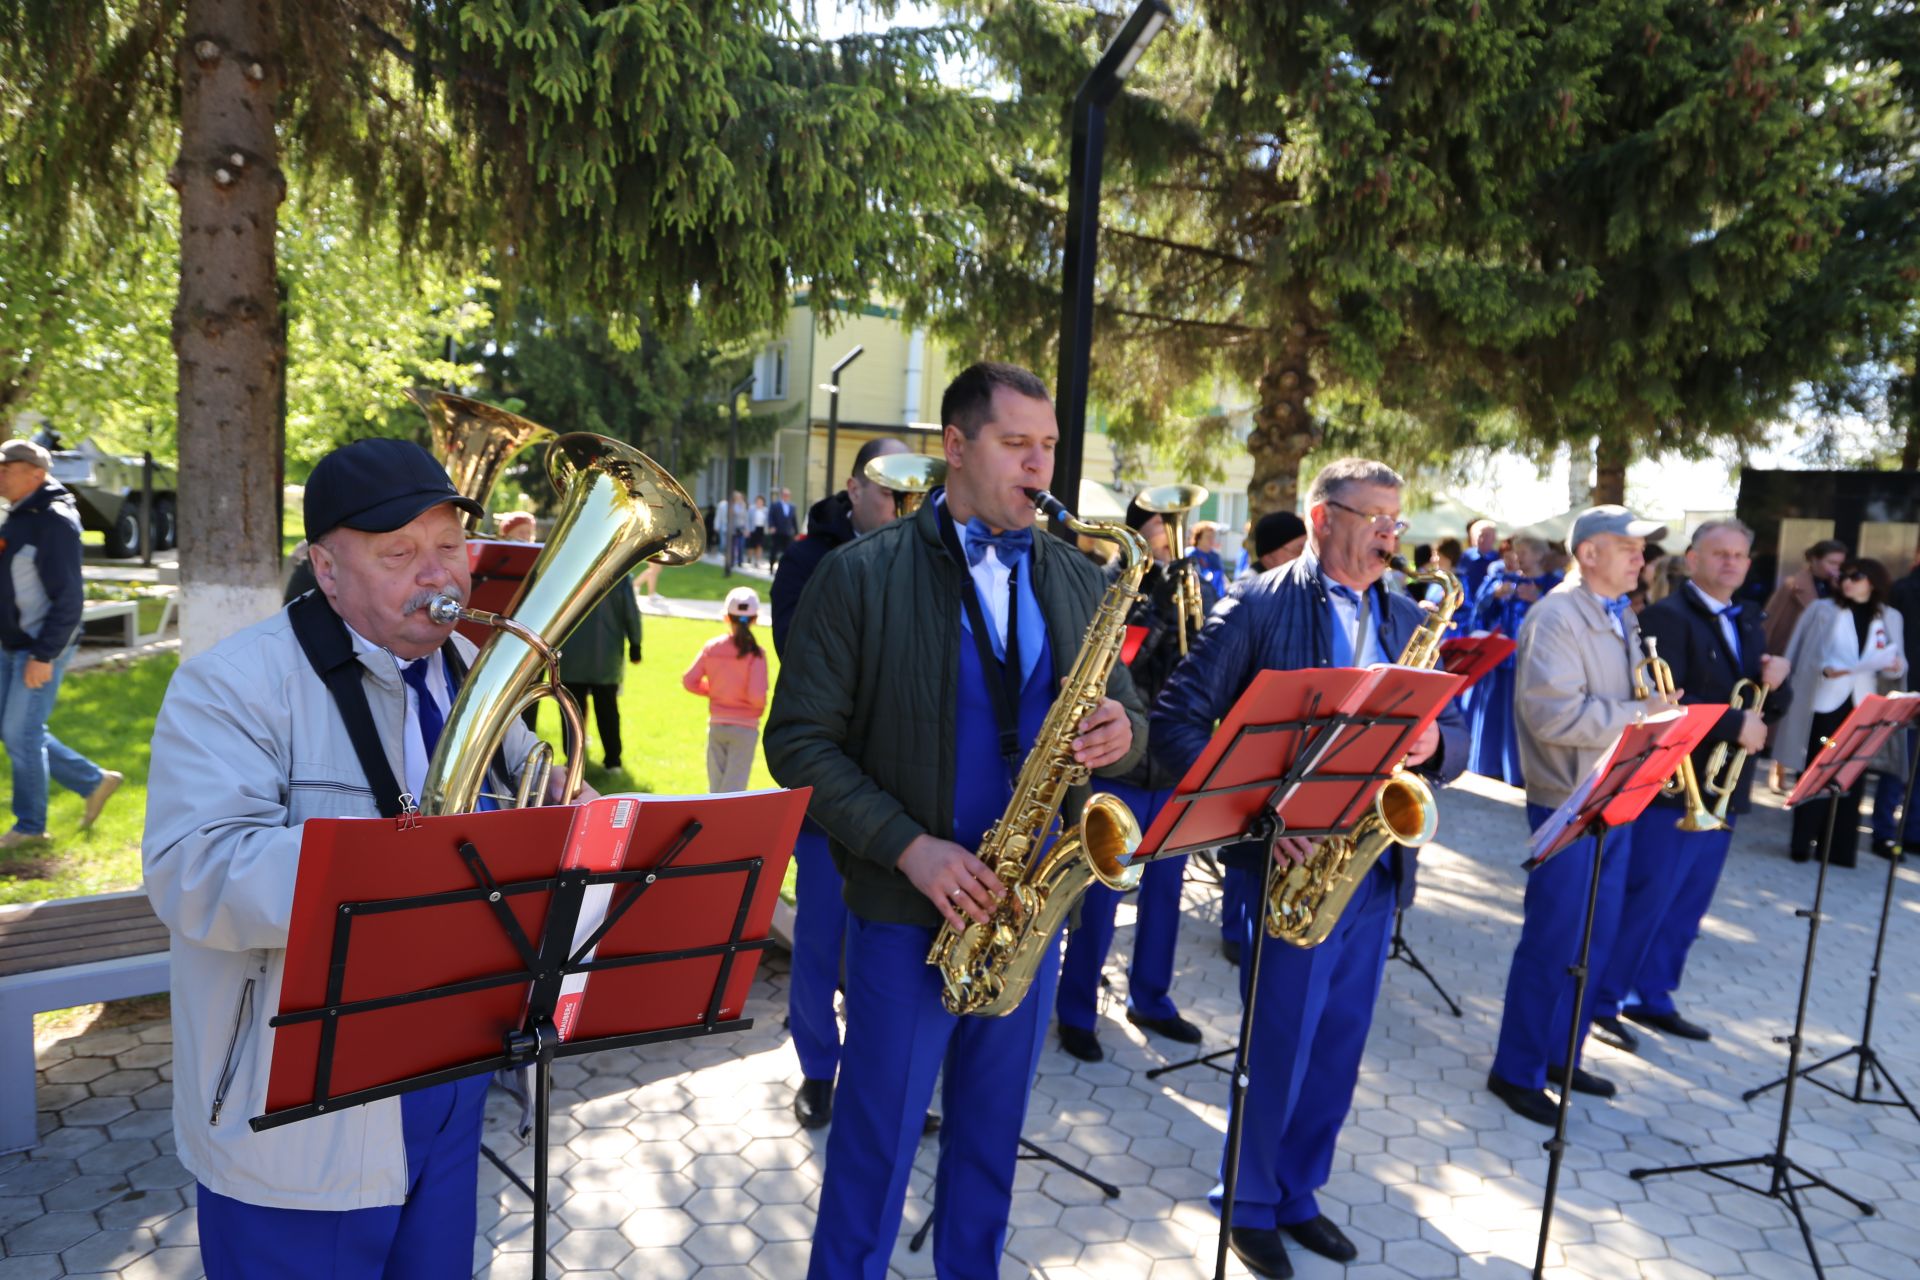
(1728, 615)
(1010, 546)
(1343, 655)
(431, 721)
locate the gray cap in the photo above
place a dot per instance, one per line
(26, 451)
(1612, 519)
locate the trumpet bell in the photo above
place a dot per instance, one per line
(474, 440)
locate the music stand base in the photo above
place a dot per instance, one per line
(1871, 1068)
(1398, 949)
(1028, 1151)
(1781, 1186)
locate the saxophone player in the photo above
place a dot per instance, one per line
(920, 665)
(1326, 608)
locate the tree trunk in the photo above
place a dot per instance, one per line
(1910, 446)
(1612, 451)
(226, 324)
(1284, 431)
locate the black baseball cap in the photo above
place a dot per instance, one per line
(377, 486)
(1275, 530)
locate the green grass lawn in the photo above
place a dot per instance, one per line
(108, 716)
(703, 581)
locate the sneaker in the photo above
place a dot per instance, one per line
(110, 781)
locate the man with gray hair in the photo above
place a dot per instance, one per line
(1327, 608)
(1573, 695)
(1710, 643)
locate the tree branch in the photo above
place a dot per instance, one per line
(398, 48)
(1218, 326)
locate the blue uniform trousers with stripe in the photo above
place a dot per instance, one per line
(819, 937)
(899, 1037)
(1670, 885)
(1156, 931)
(1539, 1004)
(1310, 1028)
(430, 1237)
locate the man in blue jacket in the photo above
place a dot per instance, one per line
(1326, 609)
(40, 599)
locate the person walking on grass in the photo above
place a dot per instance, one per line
(40, 600)
(730, 671)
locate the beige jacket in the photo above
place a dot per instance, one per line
(1573, 689)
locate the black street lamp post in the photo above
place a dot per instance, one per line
(833, 407)
(1087, 142)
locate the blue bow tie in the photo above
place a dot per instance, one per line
(1618, 608)
(1009, 546)
(1345, 593)
(1731, 611)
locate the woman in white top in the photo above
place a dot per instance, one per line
(1857, 647)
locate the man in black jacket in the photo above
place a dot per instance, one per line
(40, 600)
(819, 914)
(1710, 643)
(915, 679)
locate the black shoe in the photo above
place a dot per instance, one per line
(931, 1125)
(1584, 1081)
(1081, 1044)
(813, 1103)
(1529, 1104)
(1174, 1028)
(1612, 1031)
(1671, 1023)
(1231, 950)
(1260, 1248)
(1883, 849)
(1322, 1237)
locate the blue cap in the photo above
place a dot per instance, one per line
(377, 486)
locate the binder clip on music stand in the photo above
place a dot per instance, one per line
(1831, 774)
(1302, 753)
(1617, 790)
(1871, 1070)
(428, 950)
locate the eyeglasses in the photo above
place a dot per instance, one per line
(1382, 521)
(1853, 575)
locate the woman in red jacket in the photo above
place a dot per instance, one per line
(730, 671)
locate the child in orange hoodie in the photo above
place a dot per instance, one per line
(730, 671)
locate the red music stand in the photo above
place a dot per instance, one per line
(1615, 791)
(425, 950)
(499, 569)
(1473, 658)
(1302, 753)
(1832, 773)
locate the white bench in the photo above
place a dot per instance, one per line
(54, 955)
(101, 610)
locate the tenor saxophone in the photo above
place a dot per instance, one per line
(987, 968)
(1306, 901)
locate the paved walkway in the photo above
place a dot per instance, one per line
(684, 1160)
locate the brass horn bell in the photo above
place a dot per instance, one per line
(474, 441)
(909, 477)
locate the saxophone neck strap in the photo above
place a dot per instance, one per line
(1004, 692)
(323, 638)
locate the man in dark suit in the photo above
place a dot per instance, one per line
(780, 527)
(1710, 643)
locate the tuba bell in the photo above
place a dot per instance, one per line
(909, 477)
(474, 441)
(618, 509)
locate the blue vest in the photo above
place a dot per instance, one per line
(982, 783)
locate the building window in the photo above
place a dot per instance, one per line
(770, 373)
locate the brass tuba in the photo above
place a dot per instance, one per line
(1306, 899)
(474, 441)
(618, 508)
(987, 968)
(1173, 503)
(909, 477)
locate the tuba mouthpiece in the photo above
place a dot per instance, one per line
(444, 609)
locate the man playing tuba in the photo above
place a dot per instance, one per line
(921, 663)
(1327, 608)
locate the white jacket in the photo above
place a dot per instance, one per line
(248, 746)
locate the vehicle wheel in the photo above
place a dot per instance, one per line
(166, 528)
(123, 540)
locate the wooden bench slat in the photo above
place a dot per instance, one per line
(39, 925)
(75, 944)
(136, 947)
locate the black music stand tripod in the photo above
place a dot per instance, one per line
(1781, 1168)
(1871, 1067)
(1399, 949)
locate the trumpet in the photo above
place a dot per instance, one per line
(1653, 670)
(1173, 503)
(909, 477)
(1723, 774)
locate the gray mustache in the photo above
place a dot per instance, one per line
(419, 600)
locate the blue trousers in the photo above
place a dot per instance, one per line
(1309, 1031)
(430, 1237)
(34, 752)
(1156, 931)
(1233, 908)
(899, 1037)
(819, 935)
(1671, 877)
(1889, 793)
(1539, 1006)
